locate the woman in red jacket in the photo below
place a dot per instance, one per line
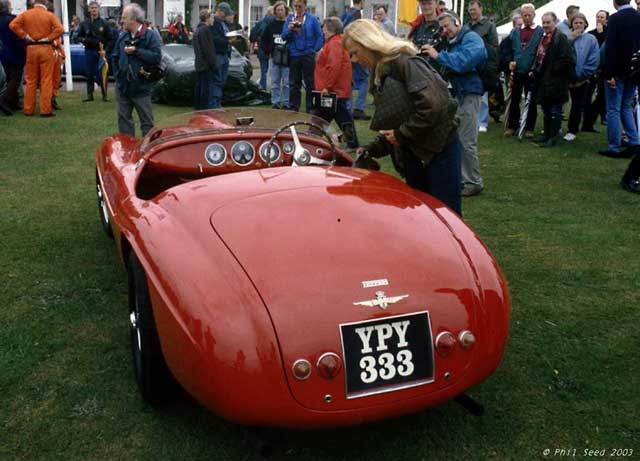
(333, 75)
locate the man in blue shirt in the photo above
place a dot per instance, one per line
(303, 34)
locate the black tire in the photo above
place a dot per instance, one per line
(103, 210)
(155, 382)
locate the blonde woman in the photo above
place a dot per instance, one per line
(425, 140)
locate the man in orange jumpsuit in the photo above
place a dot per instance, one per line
(39, 28)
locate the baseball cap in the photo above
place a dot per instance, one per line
(225, 8)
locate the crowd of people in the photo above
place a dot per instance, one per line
(446, 78)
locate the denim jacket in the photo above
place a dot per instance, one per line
(466, 55)
(587, 56)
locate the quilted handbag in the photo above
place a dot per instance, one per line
(393, 105)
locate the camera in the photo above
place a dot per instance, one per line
(131, 42)
(297, 24)
(437, 42)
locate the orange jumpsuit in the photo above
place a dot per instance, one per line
(58, 51)
(39, 24)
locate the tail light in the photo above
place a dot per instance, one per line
(329, 365)
(467, 340)
(445, 344)
(301, 369)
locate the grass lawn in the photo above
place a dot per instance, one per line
(563, 231)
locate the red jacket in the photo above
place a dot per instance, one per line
(333, 68)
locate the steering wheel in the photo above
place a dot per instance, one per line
(301, 156)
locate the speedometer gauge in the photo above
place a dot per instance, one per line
(274, 152)
(215, 154)
(242, 153)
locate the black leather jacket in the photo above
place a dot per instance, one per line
(91, 33)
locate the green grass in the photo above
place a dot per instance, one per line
(564, 233)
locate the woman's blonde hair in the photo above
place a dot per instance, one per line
(385, 47)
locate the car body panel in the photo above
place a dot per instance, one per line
(251, 270)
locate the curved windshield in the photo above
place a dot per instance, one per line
(231, 119)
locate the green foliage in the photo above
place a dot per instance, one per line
(564, 233)
(500, 9)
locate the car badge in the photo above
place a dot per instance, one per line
(381, 300)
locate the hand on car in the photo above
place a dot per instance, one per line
(390, 136)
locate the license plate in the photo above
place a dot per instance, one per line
(387, 354)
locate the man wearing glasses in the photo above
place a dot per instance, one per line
(303, 34)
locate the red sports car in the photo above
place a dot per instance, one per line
(281, 286)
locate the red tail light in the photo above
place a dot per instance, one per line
(329, 365)
(301, 369)
(445, 344)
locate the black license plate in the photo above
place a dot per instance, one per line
(388, 354)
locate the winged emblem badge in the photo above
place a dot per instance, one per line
(381, 300)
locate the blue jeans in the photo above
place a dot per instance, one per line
(619, 110)
(279, 84)
(361, 85)
(264, 69)
(441, 178)
(219, 79)
(483, 116)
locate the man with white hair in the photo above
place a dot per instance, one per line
(524, 43)
(137, 49)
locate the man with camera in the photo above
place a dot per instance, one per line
(464, 55)
(136, 53)
(425, 29)
(94, 32)
(304, 36)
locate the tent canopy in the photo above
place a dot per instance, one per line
(587, 7)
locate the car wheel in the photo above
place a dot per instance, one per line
(103, 209)
(155, 382)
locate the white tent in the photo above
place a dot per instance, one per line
(587, 7)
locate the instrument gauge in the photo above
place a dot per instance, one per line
(274, 152)
(243, 153)
(288, 148)
(215, 154)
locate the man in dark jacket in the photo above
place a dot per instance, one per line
(255, 37)
(486, 29)
(219, 30)
(524, 42)
(136, 48)
(623, 39)
(205, 53)
(554, 63)
(12, 57)
(97, 37)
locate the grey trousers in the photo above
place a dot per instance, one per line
(468, 133)
(125, 106)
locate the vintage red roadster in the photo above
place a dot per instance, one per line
(281, 286)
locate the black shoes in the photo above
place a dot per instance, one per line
(105, 99)
(360, 115)
(89, 98)
(627, 153)
(50, 114)
(54, 104)
(631, 185)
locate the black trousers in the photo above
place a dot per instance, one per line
(343, 118)
(301, 68)
(578, 104)
(596, 106)
(633, 170)
(522, 83)
(14, 77)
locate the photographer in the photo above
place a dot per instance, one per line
(276, 51)
(302, 32)
(137, 47)
(425, 29)
(464, 55)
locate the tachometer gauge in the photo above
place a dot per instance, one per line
(242, 153)
(288, 148)
(274, 152)
(215, 154)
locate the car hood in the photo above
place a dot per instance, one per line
(310, 251)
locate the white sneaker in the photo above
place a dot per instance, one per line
(569, 137)
(482, 129)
